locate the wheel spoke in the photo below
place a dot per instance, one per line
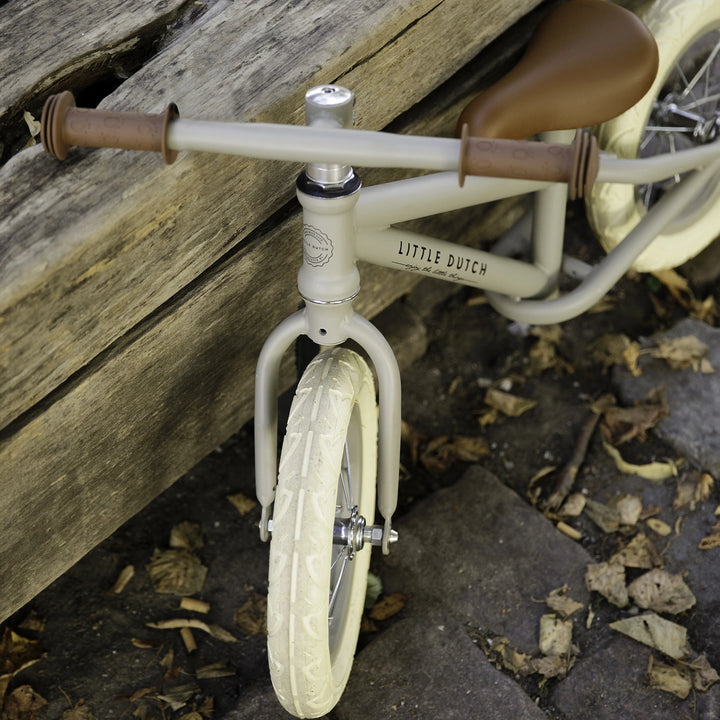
(702, 71)
(345, 555)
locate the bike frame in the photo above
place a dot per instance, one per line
(343, 223)
(358, 226)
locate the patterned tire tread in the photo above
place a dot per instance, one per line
(308, 675)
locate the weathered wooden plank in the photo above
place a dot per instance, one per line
(121, 430)
(99, 244)
(44, 45)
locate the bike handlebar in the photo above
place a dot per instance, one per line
(64, 125)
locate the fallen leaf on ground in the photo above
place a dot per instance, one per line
(214, 670)
(18, 652)
(177, 571)
(80, 712)
(251, 617)
(177, 623)
(656, 471)
(551, 666)
(669, 678)
(660, 591)
(704, 674)
(508, 404)
(656, 632)
(628, 508)
(605, 517)
(242, 503)
(638, 553)
(388, 606)
(555, 635)
(441, 452)
(692, 489)
(658, 526)
(616, 349)
(683, 352)
(621, 424)
(559, 601)
(187, 536)
(712, 540)
(500, 650)
(177, 697)
(125, 576)
(23, 703)
(608, 579)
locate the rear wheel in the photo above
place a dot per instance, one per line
(680, 111)
(318, 564)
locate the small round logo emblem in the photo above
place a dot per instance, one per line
(317, 246)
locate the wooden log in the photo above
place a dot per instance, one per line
(103, 241)
(155, 331)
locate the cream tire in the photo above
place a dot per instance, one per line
(615, 209)
(332, 427)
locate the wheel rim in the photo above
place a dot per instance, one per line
(685, 114)
(346, 508)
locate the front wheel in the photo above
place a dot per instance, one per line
(680, 111)
(326, 488)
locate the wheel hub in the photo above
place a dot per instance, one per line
(354, 532)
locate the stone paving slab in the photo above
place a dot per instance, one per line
(610, 684)
(426, 667)
(693, 426)
(486, 556)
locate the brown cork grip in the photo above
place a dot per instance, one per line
(576, 164)
(63, 125)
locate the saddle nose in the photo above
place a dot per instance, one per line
(588, 61)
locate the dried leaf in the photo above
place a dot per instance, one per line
(32, 124)
(573, 506)
(215, 670)
(658, 526)
(692, 489)
(683, 352)
(388, 606)
(712, 540)
(559, 601)
(551, 666)
(555, 635)
(251, 617)
(125, 576)
(616, 349)
(669, 678)
(441, 452)
(23, 703)
(656, 632)
(609, 580)
(605, 517)
(177, 697)
(500, 650)
(703, 674)
(628, 508)
(177, 623)
(186, 536)
(508, 404)
(18, 652)
(80, 712)
(243, 504)
(638, 553)
(621, 424)
(177, 571)
(656, 471)
(660, 591)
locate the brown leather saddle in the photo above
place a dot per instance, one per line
(588, 61)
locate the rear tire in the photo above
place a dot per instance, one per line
(327, 467)
(687, 33)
